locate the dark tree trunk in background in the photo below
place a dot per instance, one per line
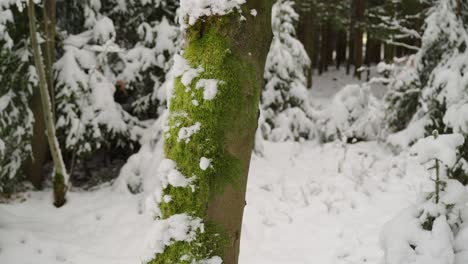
(323, 48)
(352, 22)
(331, 36)
(389, 53)
(316, 51)
(359, 11)
(340, 48)
(306, 32)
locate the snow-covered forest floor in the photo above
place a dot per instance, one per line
(306, 203)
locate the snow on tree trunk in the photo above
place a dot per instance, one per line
(60, 178)
(212, 124)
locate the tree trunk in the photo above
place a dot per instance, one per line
(340, 48)
(233, 52)
(389, 53)
(322, 48)
(358, 35)
(49, 12)
(305, 32)
(352, 22)
(60, 174)
(33, 166)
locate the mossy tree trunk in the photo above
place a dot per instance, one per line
(60, 173)
(232, 51)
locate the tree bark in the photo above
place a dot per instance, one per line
(33, 166)
(389, 53)
(60, 174)
(305, 32)
(232, 51)
(340, 48)
(358, 35)
(352, 24)
(49, 13)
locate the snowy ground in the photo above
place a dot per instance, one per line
(300, 209)
(306, 203)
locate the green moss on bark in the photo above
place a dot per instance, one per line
(225, 121)
(211, 242)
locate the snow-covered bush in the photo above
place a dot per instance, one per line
(434, 230)
(112, 70)
(354, 113)
(437, 95)
(284, 101)
(402, 98)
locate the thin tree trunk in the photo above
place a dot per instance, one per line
(340, 48)
(352, 22)
(316, 51)
(49, 12)
(323, 47)
(60, 174)
(331, 43)
(233, 52)
(306, 30)
(389, 53)
(34, 165)
(358, 35)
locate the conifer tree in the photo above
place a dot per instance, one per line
(436, 94)
(284, 101)
(19, 80)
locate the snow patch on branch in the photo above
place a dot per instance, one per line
(442, 148)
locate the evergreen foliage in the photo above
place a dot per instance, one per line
(284, 100)
(18, 78)
(437, 91)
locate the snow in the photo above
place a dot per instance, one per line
(104, 30)
(210, 88)
(300, 209)
(186, 132)
(168, 173)
(192, 10)
(204, 163)
(179, 227)
(443, 148)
